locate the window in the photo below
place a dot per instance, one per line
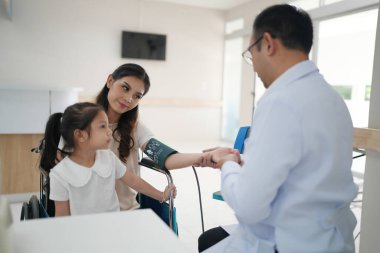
(231, 88)
(367, 93)
(234, 25)
(345, 58)
(344, 54)
(344, 90)
(232, 80)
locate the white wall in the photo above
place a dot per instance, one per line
(77, 43)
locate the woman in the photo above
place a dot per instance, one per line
(120, 98)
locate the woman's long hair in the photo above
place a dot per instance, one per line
(128, 120)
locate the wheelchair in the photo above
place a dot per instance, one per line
(39, 208)
(44, 207)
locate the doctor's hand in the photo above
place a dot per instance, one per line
(218, 156)
(200, 162)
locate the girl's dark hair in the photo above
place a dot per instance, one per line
(127, 121)
(76, 116)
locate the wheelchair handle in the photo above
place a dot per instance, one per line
(152, 165)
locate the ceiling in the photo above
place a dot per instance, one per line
(213, 4)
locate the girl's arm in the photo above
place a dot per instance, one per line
(62, 208)
(140, 185)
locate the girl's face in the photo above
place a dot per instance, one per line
(124, 94)
(100, 134)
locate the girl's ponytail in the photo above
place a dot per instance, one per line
(76, 116)
(49, 151)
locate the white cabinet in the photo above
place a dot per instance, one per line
(62, 99)
(27, 111)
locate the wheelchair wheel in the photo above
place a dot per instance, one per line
(34, 205)
(24, 212)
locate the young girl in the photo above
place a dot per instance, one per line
(120, 97)
(83, 181)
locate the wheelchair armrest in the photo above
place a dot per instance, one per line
(146, 162)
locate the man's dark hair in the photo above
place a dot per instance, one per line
(291, 25)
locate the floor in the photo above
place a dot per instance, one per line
(215, 212)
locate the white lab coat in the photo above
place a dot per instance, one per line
(294, 190)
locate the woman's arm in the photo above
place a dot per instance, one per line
(178, 160)
(62, 208)
(140, 185)
(181, 160)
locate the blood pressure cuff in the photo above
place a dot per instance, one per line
(158, 152)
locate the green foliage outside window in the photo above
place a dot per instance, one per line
(367, 94)
(344, 90)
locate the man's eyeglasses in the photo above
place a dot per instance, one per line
(247, 55)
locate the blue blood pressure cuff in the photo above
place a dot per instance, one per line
(158, 152)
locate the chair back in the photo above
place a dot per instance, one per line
(240, 138)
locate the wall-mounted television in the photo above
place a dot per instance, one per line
(143, 45)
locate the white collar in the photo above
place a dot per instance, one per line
(294, 73)
(78, 175)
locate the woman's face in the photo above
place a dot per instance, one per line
(124, 94)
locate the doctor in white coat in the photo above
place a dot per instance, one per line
(292, 192)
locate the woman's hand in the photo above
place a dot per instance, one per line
(216, 157)
(170, 190)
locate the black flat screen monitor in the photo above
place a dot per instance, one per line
(143, 46)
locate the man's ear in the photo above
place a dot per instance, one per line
(109, 81)
(269, 44)
(80, 135)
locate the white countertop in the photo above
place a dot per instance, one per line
(130, 231)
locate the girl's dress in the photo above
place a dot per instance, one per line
(89, 190)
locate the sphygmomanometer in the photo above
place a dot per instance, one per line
(158, 152)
